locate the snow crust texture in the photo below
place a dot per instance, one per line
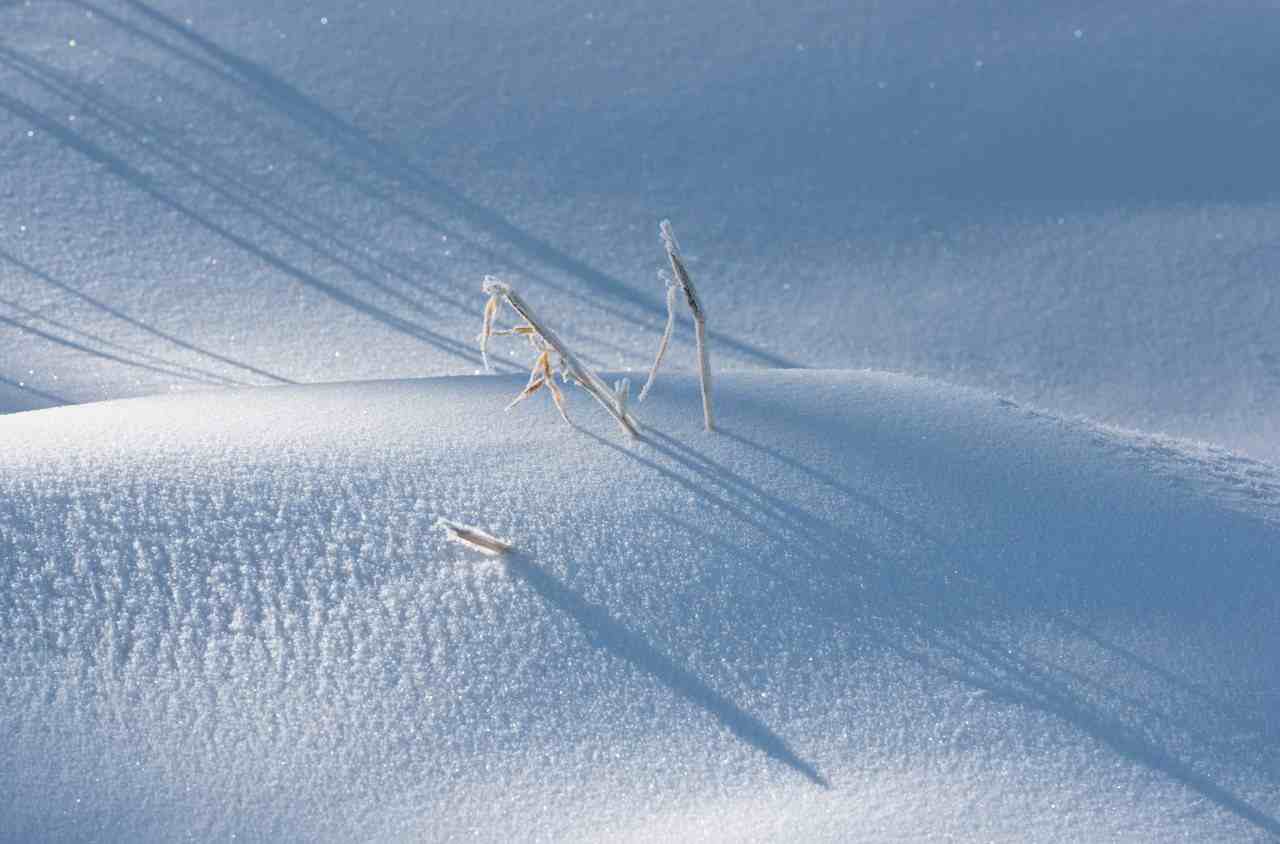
(1072, 204)
(872, 608)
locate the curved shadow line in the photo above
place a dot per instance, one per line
(386, 158)
(56, 399)
(120, 315)
(623, 642)
(195, 373)
(844, 489)
(144, 183)
(987, 664)
(79, 347)
(326, 226)
(991, 667)
(338, 170)
(1225, 708)
(1050, 696)
(223, 183)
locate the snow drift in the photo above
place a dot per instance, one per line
(873, 607)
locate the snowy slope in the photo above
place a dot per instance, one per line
(1072, 203)
(874, 607)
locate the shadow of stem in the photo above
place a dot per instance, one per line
(389, 161)
(938, 621)
(624, 643)
(141, 181)
(142, 358)
(53, 398)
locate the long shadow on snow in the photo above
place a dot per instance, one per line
(146, 359)
(391, 163)
(319, 234)
(624, 643)
(322, 227)
(88, 350)
(141, 181)
(938, 617)
(1225, 709)
(52, 398)
(218, 177)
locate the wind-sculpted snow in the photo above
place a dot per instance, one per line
(872, 607)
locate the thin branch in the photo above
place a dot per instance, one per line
(570, 364)
(666, 340)
(699, 318)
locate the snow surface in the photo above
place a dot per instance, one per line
(876, 607)
(873, 608)
(1071, 203)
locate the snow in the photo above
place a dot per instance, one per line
(1024, 590)
(872, 607)
(1068, 205)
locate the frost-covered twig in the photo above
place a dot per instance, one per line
(699, 319)
(547, 341)
(666, 339)
(473, 537)
(621, 393)
(486, 331)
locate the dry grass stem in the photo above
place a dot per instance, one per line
(474, 537)
(545, 342)
(537, 379)
(486, 331)
(622, 393)
(699, 319)
(666, 339)
(704, 372)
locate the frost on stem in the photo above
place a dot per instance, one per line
(539, 377)
(699, 323)
(486, 330)
(666, 336)
(546, 342)
(621, 393)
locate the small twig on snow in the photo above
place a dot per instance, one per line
(474, 537)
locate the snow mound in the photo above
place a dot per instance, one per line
(873, 607)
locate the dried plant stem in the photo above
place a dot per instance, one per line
(573, 367)
(473, 537)
(666, 340)
(699, 318)
(622, 393)
(486, 331)
(704, 372)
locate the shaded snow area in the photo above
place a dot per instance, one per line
(1073, 204)
(872, 608)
